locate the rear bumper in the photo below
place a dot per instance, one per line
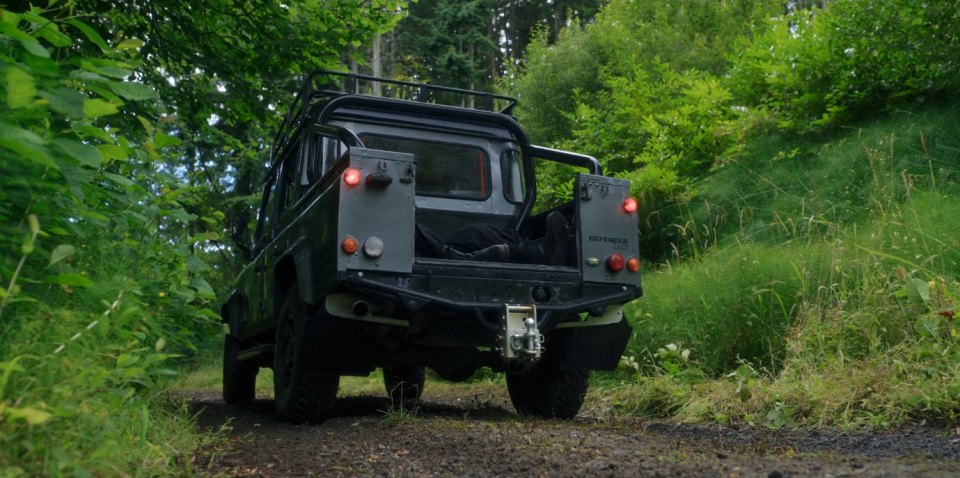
(556, 292)
(450, 317)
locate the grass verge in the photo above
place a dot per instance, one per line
(816, 285)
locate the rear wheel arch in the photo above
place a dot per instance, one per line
(231, 313)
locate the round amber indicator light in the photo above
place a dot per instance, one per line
(349, 245)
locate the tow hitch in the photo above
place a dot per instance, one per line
(519, 338)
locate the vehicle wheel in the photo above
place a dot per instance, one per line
(239, 378)
(543, 390)
(299, 397)
(404, 384)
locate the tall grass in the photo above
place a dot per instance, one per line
(815, 284)
(82, 386)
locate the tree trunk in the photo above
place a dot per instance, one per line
(377, 64)
(472, 51)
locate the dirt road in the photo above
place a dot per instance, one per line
(473, 431)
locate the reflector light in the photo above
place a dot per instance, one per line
(349, 245)
(633, 264)
(351, 176)
(373, 247)
(615, 262)
(630, 205)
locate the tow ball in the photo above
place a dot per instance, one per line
(519, 338)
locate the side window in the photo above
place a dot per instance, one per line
(314, 159)
(511, 165)
(332, 151)
(267, 210)
(288, 181)
(320, 154)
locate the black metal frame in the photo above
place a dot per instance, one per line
(310, 95)
(319, 103)
(424, 90)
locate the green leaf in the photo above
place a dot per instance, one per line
(52, 34)
(85, 154)
(207, 236)
(916, 289)
(125, 360)
(178, 214)
(106, 68)
(17, 134)
(73, 280)
(42, 66)
(203, 288)
(208, 313)
(91, 35)
(147, 126)
(132, 91)
(194, 264)
(927, 326)
(60, 253)
(26, 41)
(10, 17)
(87, 76)
(32, 416)
(162, 140)
(96, 218)
(119, 179)
(20, 88)
(130, 44)
(112, 152)
(36, 153)
(95, 108)
(34, 224)
(99, 133)
(65, 101)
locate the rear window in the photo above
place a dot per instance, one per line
(443, 169)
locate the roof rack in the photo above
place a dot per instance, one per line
(325, 83)
(322, 85)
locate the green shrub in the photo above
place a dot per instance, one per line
(99, 291)
(812, 70)
(627, 40)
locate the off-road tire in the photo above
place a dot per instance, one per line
(543, 390)
(239, 378)
(299, 397)
(404, 384)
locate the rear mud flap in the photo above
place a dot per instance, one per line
(596, 348)
(337, 346)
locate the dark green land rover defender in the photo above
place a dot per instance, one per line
(334, 285)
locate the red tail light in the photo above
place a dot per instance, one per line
(615, 262)
(351, 176)
(633, 264)
(630, 205)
